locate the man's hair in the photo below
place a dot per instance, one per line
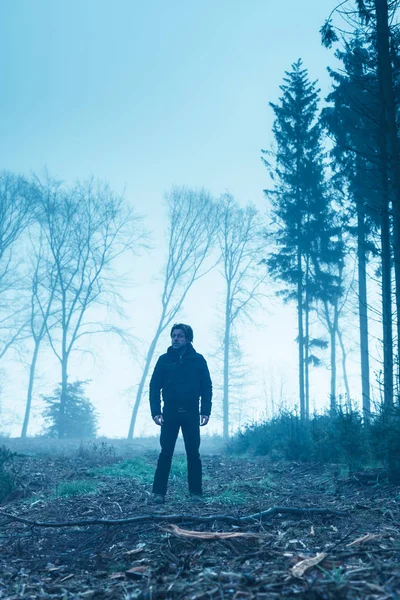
(187, 330)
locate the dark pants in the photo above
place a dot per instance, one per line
(190, 425)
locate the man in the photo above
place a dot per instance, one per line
(183, 376)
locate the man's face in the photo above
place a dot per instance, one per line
(178, 339)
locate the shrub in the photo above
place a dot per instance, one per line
(341, 437)
(384, 433)
(97, 453)
(7, 484)
(351, 438)
(284, 436)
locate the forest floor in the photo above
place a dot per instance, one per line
(349, 551)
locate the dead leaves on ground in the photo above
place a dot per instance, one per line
(352, 552)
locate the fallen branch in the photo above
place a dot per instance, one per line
(213, 535)
(308, 563)
(291, 510)
(265, 514)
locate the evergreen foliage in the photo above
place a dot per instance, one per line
(385, 440)
(306, 231)
(80, 417)
(352, 120)
(342, 438)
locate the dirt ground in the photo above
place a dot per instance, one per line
(350, 550)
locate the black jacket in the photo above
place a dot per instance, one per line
(183, 379)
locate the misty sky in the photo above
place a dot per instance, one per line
(147, 94)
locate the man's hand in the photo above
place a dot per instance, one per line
(204, 420)
(158, 420)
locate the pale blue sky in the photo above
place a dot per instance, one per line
(146, 94)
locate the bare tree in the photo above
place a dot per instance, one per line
(14, 211)
(193, 220)
(87, 228)
(241, 247)
(273, 393)
(330, 309)
(241, 378)
(15, 198)
(43, 288)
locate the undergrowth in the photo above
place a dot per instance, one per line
(76, 488)
(7, 480)
(229, 497)
(136, 468)
(343, 438)
(141, 469)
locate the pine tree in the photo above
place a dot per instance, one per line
(300, 209)
(376, 21)
(361, 169)
(80, 417)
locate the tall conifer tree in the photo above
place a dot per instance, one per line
(300, 209)
(360, 154)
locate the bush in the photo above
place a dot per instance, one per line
(323, 438)
(7, 484)
(284, 436)
(384, 434)
(80, 417)
(97, 453)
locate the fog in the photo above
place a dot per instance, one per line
(146, 96)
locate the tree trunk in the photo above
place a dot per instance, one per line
(145, 373)
(64, 369)
(344, 368)
(32, 369)
(63, 398)
(333, 350)
(301, 336)
(333, 403)
(307, 342)
(387, 305)
(386, 259)
(385, 76)
(363, 310)
(306, 361)
(226, 366)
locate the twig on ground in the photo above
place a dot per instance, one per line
(270, 512)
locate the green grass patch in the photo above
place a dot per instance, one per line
(179, 468)
(136, 468)
(76, 488)
(229, 496)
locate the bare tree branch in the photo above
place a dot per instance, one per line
(193, 222)
(87, 229)
(240, 243)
